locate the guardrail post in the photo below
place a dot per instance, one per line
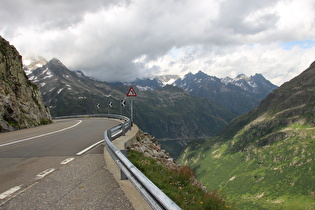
(109, 134)
(123, 128)
(122, 174)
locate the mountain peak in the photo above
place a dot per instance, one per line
(241, 76)
(258, 76)
(201, 74)
(31, 63)
(189, 74)
(55, 60)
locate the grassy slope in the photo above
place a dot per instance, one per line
(265, 158)
(279, 175)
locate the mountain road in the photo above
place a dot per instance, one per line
(27, 156)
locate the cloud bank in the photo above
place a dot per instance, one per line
(122, 40)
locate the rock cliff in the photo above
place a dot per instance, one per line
(149, 146)
(21, 105)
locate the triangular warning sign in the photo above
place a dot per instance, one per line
(131, 92)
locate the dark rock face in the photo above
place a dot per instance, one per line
(21, 105)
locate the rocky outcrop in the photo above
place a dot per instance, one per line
(21, 105)
(149, 146)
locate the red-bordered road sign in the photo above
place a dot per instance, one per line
(131, 92)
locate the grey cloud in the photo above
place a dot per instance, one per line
(155, 28)
(48, 14)
(103, 37)
(233, 16)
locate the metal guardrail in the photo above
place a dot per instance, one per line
(151, 193)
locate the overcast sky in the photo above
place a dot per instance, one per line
(119, 40)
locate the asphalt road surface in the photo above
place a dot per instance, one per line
(27, 156)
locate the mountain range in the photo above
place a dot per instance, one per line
(238, 95)
(164, 106)
(168, 112)
(264, 159)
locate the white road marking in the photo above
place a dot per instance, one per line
(67, 161)
(44, 173)
(10, 192)
(90, 147)
(45, 134)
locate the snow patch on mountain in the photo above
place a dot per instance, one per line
(144, 88)
(68, 87)
(48, 74)
(33, 62)
(252, 84)
(61, 89)
(167, 79)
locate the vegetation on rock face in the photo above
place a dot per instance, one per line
(265, 158)
(177, 182)
(21, 105)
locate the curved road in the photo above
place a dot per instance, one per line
(28, 155)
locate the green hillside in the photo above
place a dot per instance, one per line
(280, 175)
(265, 158)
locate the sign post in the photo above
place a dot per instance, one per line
(131, 93)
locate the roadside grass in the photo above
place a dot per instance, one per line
(179, 185)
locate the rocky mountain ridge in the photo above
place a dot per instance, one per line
(238, 95)
(21, 105)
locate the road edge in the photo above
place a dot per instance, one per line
(130, 191)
